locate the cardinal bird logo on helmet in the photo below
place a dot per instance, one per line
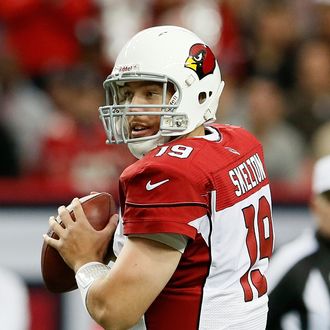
(201, 60)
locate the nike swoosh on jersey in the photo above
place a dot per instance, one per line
(151, 186)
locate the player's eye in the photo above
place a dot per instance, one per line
(153, 96)
(128, 95)
(125, 96)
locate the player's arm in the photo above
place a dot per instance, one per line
(141, 271)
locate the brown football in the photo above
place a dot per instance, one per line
(57, 275)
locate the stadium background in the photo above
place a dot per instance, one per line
(54, 55)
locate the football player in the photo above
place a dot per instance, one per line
(195, 230)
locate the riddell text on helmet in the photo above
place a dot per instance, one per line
(127, 68)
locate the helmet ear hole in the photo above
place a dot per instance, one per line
(202, 97)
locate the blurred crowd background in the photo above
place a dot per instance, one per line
(274, 56)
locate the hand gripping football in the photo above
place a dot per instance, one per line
(57, 275)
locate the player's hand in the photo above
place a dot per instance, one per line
(78, 241)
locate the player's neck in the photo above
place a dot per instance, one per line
(198, 131)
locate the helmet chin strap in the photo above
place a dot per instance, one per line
(139, 149)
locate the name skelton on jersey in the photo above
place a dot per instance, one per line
(247, 174)
(217, 194)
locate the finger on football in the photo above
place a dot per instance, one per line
(55, 226)
(78, 211)
(51, 241)
(64, 216)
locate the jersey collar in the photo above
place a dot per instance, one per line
(214, 134)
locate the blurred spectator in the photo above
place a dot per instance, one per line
(43, 34)
(244, 12)
(24, 113)
(311, 97)
(321, 141)
(15, 310)
(9, 165)
(276, 37)
(232, 52)
(200, 16)
(74, 151)
(114, 15)
(299, 271)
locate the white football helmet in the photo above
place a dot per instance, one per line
(164, 54)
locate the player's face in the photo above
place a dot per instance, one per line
(141, 92)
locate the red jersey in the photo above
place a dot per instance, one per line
(214, 190)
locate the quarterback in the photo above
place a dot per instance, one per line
(194, 233)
